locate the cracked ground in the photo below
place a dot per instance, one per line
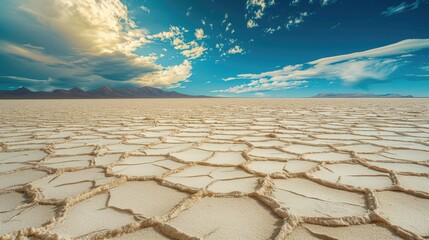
(214, 169)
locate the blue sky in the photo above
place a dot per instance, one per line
(240, 48)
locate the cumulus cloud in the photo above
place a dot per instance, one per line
(251, 24)
(195, 50)
(199, 33)
(235, 50)
(92, 27)
(191, 50)
(179, 44)
(173, 32)
(295, 21)
(402, 7)
(256, 10)
(271, 30)
(95, 44)
(376, 64)
(169, 76)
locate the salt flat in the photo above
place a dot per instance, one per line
(214, 169)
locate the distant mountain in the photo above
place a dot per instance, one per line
(101, 92)
(360, 95)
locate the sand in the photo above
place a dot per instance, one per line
(214, 169)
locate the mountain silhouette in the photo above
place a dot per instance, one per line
(101, 92)
(360, 95)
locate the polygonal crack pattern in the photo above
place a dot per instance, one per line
(214, 169)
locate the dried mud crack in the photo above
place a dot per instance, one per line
(214, 169)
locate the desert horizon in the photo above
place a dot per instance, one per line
(105, 92)
(214, 169)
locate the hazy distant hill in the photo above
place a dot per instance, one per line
(101, 92)
(360, 95)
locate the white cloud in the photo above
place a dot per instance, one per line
(195, 50)
(95, 27)
(228, 26)
(327, 2)
(103, 39)
(351, 71)
(30, 52)
(24, 79)
(256, 3)
(294, 2)
(425, 76)
(225, 18)
(271, 30)
(354, 71)
(426, 68)
(144, 8)
(261, 85)
(169, 76)
(199, 33)
(219, 46)
(188, 11)
(33, 47)
(256, 10)
(295, 21)
(232, 40)
(173, 32)
(251, 24)
(335, 26)
(374, 64)
(179, 44)
(229, 79)
(260, 94)
(235, 50)
(258, 14)
(402, 7)
(402, 47)
(191, 50)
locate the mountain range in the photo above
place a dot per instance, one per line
(360, 95)
(101, 92)
(144, 92)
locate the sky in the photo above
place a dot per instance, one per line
(230, 48)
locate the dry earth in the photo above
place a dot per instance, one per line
(214, 169)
